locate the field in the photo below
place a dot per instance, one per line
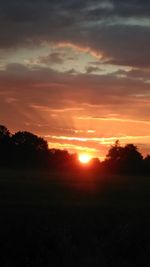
(55, 219)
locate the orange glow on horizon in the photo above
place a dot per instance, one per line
(84, 158)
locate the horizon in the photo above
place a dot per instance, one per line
(84, 157)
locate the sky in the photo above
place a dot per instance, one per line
(77, 72)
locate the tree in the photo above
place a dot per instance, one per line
(4, 133)
(131, 153)
(60, 159)
(114, 152)
(124, 159)
(111, 163)
(147, 164)
(131, 159)
(5, 146)
(30, 141)
(29, 149)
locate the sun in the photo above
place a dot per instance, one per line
(84, 158)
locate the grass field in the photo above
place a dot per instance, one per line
(55, 219)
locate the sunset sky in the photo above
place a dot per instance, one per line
(76, 72)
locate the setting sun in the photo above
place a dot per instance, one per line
(84, 158)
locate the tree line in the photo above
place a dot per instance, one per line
(27, 150)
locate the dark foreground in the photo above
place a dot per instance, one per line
(48, 222)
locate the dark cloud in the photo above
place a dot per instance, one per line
(136, 8)
(48, 88)
(86, 23)
(122, 45)
(124, 9)
(136, 74)
(90, 69)
(16, 68)
(55, 57)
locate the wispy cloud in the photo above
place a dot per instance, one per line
(102, 140)
(71, 147)
(114, 119)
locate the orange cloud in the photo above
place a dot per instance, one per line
(84, 49)
(71, 147)
(114, 119)
(102, 140)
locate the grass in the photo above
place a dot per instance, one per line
(73, 219)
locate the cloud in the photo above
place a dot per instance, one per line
(66, 106)
(56, 98)
(100, 26)
(48, 79)
(103, 140)
(126, 9)
(94, 89)
(16, 68)
(55, 57)
(72, 147)
(91, 69)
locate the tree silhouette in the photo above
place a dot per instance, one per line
(29, 141)
(4, 133)
(114, 153)
(124, 159)
(113, 156)
(29, 149)
(5, 143)
(147, 164)
(131, 159)
(25, 149)
(61, 159)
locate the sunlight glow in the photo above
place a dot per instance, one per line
(84, 158)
